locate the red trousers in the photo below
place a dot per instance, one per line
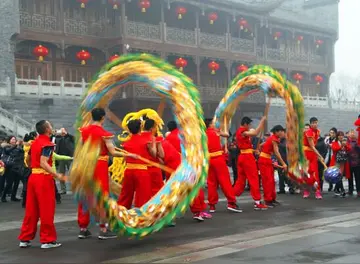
(313, 166)
(138, 182)
(157, 181)
(101, 175)
(198, 204)
(247, 169)
(40, 203)
(219, 175)
(267, 177)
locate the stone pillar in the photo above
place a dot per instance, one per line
(10, 21)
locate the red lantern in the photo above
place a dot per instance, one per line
(83, 3)
(298, 77)
(319, 42)
(181, 63)
(181, 11)
(115, 4)
(83, 56)
(144, 5)
(277, 35)
(299, 39)
(114, 57)
(213, 66)
(243, 24)
(318, 79)
(40, 52)
(212, 17)
(242, 68)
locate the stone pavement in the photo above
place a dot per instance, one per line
(298, 231)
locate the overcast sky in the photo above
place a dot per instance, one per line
(347, 49)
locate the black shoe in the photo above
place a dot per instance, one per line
(276, 203)
(343, 195)
(14, 199)
(84, 234)
(58, 201)
(281, 192)
(106, 235)
(3, 200)
(330, 189)
(269, 204)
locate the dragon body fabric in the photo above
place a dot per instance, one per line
(175, 197)
(272, 83)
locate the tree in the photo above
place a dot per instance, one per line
(344, 87)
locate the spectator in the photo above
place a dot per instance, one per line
(65, 144)
(322, 149)
(282, 174)
(13, 157)
(354, 159)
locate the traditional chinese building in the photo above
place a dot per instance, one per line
(67, 41)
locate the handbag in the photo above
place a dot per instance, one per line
(8, 160)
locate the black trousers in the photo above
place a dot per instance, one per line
(283, 179)
(234, 168)
(7, 181)
(321, 169)
(355, 174)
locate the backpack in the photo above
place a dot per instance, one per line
(342, 156)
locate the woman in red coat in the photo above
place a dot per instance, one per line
(340, 149)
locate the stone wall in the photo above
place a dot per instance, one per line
(328, 118)
(10, 28)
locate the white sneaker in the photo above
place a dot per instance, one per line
(51, 245)
(25, 244)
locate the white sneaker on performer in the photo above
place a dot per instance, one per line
(25, 244)
(51, 245)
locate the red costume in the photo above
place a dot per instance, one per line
(310, 155)
(97, 135)
(136, 176)
(335, 147)
(247, 168)
(155, 173)
(357, 124)
(174, 139)
(267, 169)
(218, 171)
(198, 204)
(40, 197)
(172, 158)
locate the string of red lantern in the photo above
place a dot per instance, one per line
(298, 77)
(244, 25)
(299, 39)
(115, 4)
(213, 16)
(83, 56)
(181, 63)
(318, 79)
(319, 42)
(181, 11)
(213, 66)
(242, 68)
(83, 3)
(277, 35)
(144, 5)
(40, 52)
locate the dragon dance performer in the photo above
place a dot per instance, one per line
(150, 134)
(198, 206)
(99, 136)
(247, 168)
(136, 176)
(40, 202)
(357, 124)
(218, 171)
(271, 146)
(311, 137)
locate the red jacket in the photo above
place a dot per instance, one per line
(357, 124)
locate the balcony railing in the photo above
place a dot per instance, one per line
(161, 32)
(62, 89)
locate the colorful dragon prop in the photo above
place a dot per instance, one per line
(182, 188)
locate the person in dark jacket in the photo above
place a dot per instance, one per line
(322, 148)
(65, 145)
(282, 174)
(13, 157)
(354, 159)
(234, 153)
